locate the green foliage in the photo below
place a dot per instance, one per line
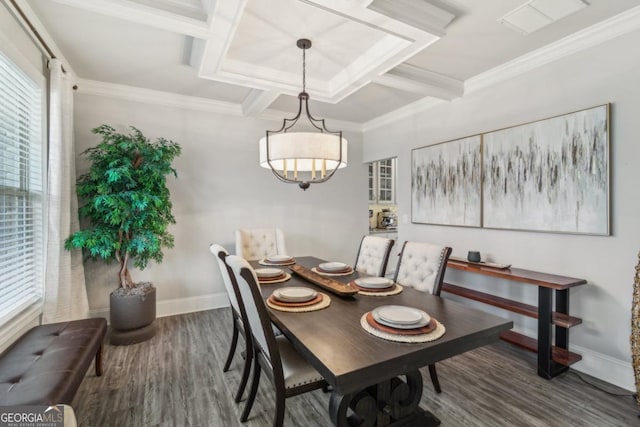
(125, 197)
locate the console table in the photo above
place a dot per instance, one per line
(553, 357)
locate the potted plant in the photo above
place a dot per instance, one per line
(127, 204)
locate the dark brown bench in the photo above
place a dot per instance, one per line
(47, 364)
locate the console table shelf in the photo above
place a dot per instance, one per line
(552, 359)
(559, 319)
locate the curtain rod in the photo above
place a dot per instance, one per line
(37, 35)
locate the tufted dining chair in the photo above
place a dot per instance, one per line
(257, 243)
(422, 266)
(373, 255)
(220, 254)
(289, 372)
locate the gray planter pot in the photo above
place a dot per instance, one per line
(132, 318)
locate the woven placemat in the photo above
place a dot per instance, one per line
(286, 277)
(326, 301)
(431, 336)
(277, 264)
(347, 273)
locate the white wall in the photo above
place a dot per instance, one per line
(605, 73)
(220, 188)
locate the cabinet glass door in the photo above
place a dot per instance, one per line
(386, 181)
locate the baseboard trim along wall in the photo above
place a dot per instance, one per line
(613, 371)
(177, 306)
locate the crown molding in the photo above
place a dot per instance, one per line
(145, 15)
(401, 113)
(156, 97)
(168, 99)
(601, 32)
(594, 35)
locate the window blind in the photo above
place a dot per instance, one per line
(21, 192)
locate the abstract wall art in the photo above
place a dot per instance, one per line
(446, 183)
(549, 175)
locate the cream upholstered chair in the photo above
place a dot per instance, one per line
(373, 255)
(289, 372)
(220, 254)
(422, 266)
(258, 243)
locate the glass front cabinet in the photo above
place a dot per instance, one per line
(382, 181)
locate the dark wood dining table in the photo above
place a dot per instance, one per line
(377, 382)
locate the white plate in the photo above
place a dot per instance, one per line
(278, 258)
(332, 266)
(373, 282)
(294, 294)
(421, 324)
(268, 272)
(398, 315)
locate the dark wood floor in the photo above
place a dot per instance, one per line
(176, 379)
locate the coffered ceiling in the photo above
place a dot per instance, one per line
(369, 57)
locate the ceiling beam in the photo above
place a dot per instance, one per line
(413, 79)
(145, 15)
(418, 14)
(257, 101)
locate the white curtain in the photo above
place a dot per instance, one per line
(65, 293)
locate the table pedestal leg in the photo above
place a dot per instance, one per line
(390, 403)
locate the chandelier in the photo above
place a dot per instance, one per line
(307, 157)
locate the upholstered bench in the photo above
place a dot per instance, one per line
(47, 364)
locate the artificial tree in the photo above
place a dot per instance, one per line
(126, 201)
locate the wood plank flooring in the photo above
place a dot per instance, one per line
(176, 379)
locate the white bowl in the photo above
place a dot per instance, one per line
(278, 258)
(268, 272)
(373, 282)
(400, 316)
(294, 294)
(332, 266)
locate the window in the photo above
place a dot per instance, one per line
(21, 191)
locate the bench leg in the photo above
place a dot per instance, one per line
(99, 361)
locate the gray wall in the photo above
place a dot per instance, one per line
(605, 73)
(220, 188)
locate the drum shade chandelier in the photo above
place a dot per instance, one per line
(307, 157)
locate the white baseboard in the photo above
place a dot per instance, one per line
(606, 368)
(173, 307)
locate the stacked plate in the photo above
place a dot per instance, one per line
(334, 268)
(280, 259)
(374, 284)
(269, 275)
(401, 320)
(295, 296)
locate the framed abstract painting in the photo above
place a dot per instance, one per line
(446, 183)
(550, 175)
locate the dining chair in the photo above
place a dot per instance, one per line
(220, 254)
(287, 370)
(373, 255)
(422, 266)
(257, 243)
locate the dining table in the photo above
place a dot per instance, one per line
(374, 381)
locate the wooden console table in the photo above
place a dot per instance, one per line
(553, 358)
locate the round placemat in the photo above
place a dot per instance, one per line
(326, 301)
(346, 273)
(286, 277)
(431, 336)
(265, 262)
(396, 290)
